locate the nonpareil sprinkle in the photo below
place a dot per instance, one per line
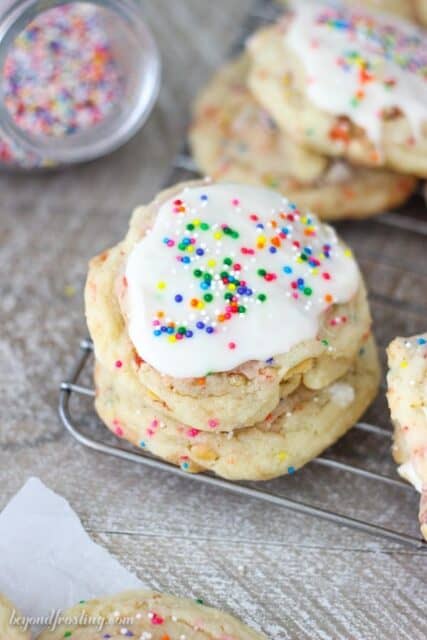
(60, 76)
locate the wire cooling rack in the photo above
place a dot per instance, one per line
(391, 252)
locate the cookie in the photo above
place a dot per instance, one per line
(261, 310)
(346, 82)
(234, 139)
(147, 615)
(12, 626)
(407, 399)
(303, 424)
(414, 10)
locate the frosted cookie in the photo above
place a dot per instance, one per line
(302, 425)
(223, 299)
(234, 139)
(11, 624)
(414, 10)
(407, 399)
(147, 615)
(346, 82)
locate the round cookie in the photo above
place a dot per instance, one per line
(11, 623)
(407, 399)
(234, 139)
(227, 400)
(303, 425)
(148, 615)
(346, 82)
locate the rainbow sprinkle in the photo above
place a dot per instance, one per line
(60, 77)
(222, 291)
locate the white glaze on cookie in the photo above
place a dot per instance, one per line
(270, 270)
(360, 63)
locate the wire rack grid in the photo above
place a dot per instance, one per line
(390, 249)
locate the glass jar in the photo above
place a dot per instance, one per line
(81, 117)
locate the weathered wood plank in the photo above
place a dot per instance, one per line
(289, 593)
(118, 497)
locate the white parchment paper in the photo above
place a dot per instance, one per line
(47, 560)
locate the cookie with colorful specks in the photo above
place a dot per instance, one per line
(302, 425)
(346, 82)
(147, 615)
(415, 10)
(234, 139)
(407, 399)
(224, 299)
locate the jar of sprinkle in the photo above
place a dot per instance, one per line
(78, 79)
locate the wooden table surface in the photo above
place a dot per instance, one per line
(288, 575)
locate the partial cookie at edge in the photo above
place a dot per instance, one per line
(415, 10)
(11, 624)
(407, 399)
(147, 614)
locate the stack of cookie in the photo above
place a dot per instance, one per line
(231, 332)
(328, 106)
